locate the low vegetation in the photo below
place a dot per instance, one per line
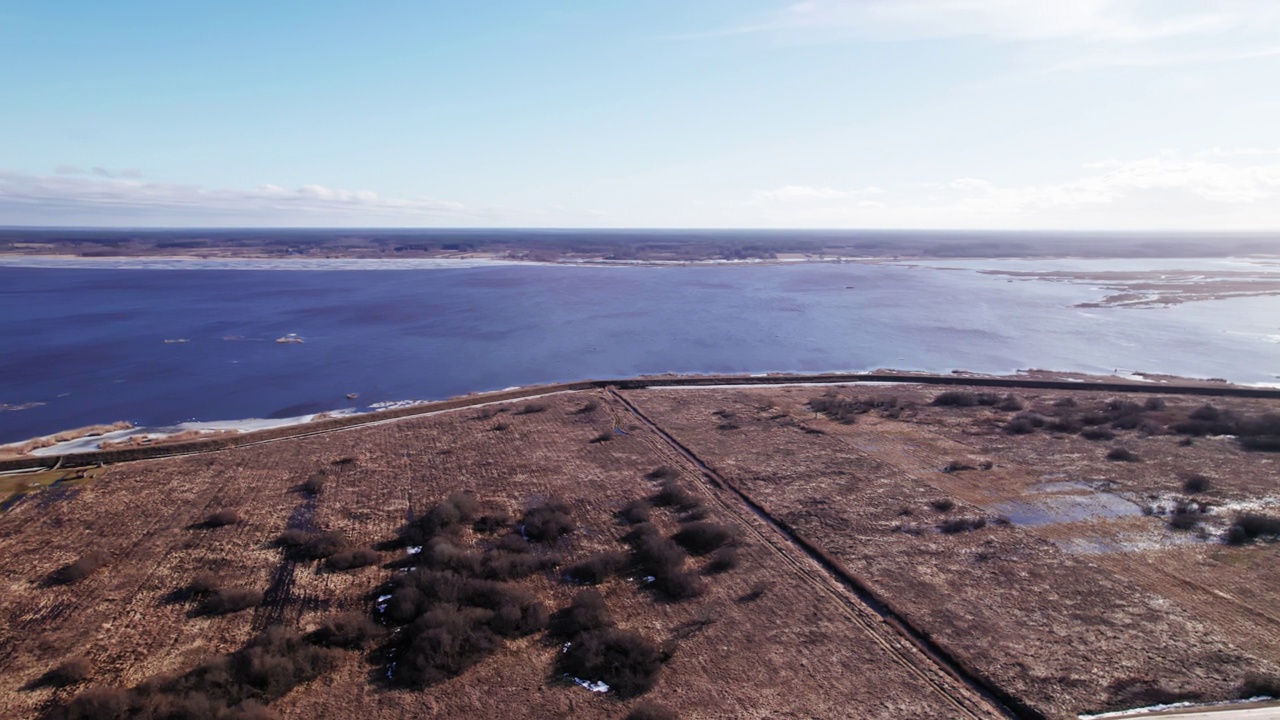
(225, 601)
(81, 568)
(597, 651)
(1251, 526)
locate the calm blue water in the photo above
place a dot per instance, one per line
(89, 342)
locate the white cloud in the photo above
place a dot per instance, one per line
(1114, 21)
(1213, 189)
(114, 198)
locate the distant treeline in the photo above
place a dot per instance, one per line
(647, 244)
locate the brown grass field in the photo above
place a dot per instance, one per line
(1070, 599)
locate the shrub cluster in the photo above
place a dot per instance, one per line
(602, 437)
(596, 650)
(530, 408)
(662, 559)
(456, 607)
(1196, 484)
(72, 671)
(81, 568)
(1025, 423)
(229, 687)
(723, 560)
(449, 622)
(847, 410)
(590, 407)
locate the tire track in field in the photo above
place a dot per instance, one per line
(967, 694)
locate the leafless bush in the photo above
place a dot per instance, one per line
(956, 398)
(723, 560)
(663, 472)
(1065, 424)
(351, 630)
(595, 569)
(590, 407)
(314, 485)
(302, 545)
(352, 559)
(222, 518)
(673, 494)
(1250, 526)
(229, 600)
(586, 612)
(603, 436)
(636, 511)
(959, 525)
(1008, 403)
(530, 408)
(1259, 685)
(756, 592)
(663, 561)
(943, 505)
(1097, 433)
(459, 508)
(957, 466)
(623, 659)
(1122, 455)
(71, 671)
(701, 537)
(547, 521)
(1196, 484)
(492, 521)
(81, 568)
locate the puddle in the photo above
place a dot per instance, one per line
(1066, 508)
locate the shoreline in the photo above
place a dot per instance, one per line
(201, 436)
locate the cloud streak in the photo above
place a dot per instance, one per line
(102, 196)
(1214, 189)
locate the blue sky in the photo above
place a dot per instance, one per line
(1089, 114)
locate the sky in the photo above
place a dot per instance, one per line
(973, 114)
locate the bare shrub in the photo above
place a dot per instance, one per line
(499, 427)
(201, 585)
(652, 711)
(492, 522)
(81, 568)
(71, 671)
(636, 511)
(229, 600)
(757, 591)
(956, 398)
(1065, 402)
(1065, 425)
(586, 612)
(663, 561)
(602, 437)
(1097, 433)
(302, 545)
(351, 630)
(1122, 455)
(1024, 423)
(673, 494)
(595, 569)
(314, 485)
(352, 559)
(1154, 404)
(458, 508)
(1259, 685)
(590, 407)
(1196, 484)
(723, 560)
(943, 505)
(547, 521)
(1250, 526)
(530, 408)
(959, 525)
(1008, 403)
(663, 472)
(222, 518)
(701, 537)
(623, 659)
(957, 466)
